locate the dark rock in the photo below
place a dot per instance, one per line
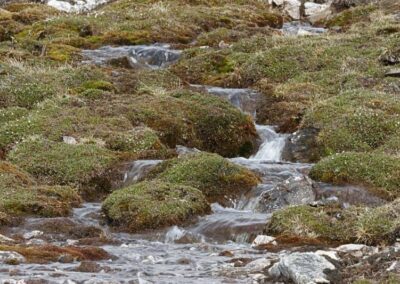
(390, 57)
(66, 258)
(302, 146)
(341, 5)
(293, 191)
(88, 267)
(226, 253)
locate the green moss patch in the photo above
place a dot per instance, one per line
(85, 166)
(153, 204)
(378, 171)
(215, 176)
(21, 195)
(363, 225)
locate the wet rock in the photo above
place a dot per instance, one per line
(226, 253)
(302, 146)
(393, 73)
(262, 240)
(11, 257)
(66, 258)
(88, 267)
(259, 265)
(302, 268)
(296, 190)
(32, 235)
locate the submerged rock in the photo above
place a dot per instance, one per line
(11, 257)
(302, 268)
(295, 190)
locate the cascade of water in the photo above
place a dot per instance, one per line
(139, 169)
(272, 146)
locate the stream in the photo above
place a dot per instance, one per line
(217, 248)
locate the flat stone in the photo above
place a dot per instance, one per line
(351, 248)
(393, 73)
(261, 240)
(69, 140)
(32, 235)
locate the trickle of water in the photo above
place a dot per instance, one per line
(137, 56)
(243, 99)
(138, 169)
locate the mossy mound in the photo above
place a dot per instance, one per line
(218, 178)
(186, 118)
(26, 84)
(380, 172)
(21, 195)
(172, 22)
(153, 204)
(362, 225)
(85, 166)
(355, 121)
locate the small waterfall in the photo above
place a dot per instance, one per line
(243, 99)
(272, 146)
(138, 169)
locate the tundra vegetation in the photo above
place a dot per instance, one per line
(334, 82)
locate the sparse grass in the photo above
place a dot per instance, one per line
(362, 225)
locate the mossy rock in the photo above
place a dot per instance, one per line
(21, 195)
(218, 178)
(378, 171)
(371, 226)
(86, 166)
(153, 204)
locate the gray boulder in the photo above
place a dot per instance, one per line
(295, 190)
(302, 268)
(302, 146)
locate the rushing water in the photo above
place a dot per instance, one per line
(207, 251)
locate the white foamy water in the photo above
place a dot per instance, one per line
(272, 145)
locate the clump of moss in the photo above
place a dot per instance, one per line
(28, 83)
(153, 204)
(363, 225)
(138, 140)
(185, 118)
(85, 166)
(354, 121)
(378, 171)
(215, 176)
(21, 195)
(351, 16)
